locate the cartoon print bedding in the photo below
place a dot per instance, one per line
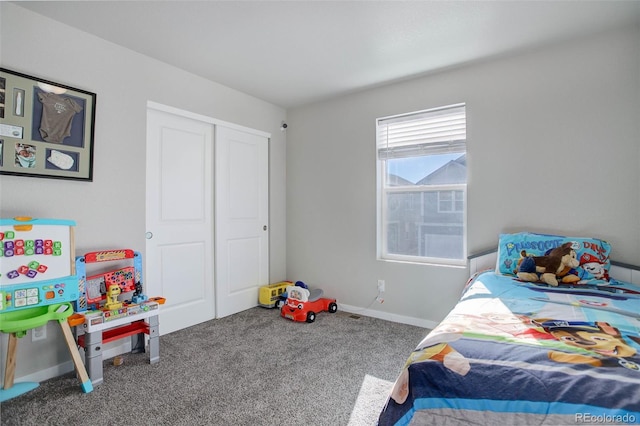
(514, 352)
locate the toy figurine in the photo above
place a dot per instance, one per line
(112, 297)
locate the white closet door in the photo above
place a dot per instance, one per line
(179, 218)
(242, 209)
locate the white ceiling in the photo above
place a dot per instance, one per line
(291, 53)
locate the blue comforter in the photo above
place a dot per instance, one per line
(512, 352)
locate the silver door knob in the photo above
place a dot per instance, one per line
(264, 228)
(148, 235)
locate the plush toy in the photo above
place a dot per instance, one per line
(557, 263)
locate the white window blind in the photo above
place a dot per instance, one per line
(436, 131)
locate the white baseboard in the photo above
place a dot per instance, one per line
(67, 366)
(418, 322)
(47, 373)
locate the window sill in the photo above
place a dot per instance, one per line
(461, 264)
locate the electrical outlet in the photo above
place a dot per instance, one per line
(380, 286)
(39, 333)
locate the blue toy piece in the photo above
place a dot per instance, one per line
(138, 296)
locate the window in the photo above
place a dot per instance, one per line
(450, 201)
(422, 186)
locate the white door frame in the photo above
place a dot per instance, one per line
(205, 119)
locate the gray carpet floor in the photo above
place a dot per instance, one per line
(251, 368)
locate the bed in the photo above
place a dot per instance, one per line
(522, 352)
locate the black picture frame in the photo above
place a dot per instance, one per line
(47, 128)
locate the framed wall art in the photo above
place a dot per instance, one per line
(46, 128)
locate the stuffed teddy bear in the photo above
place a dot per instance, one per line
(557, 263)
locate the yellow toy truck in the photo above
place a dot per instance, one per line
(273, 295)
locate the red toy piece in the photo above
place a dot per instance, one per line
(303, 305)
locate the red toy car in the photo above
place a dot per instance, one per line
(302, 304)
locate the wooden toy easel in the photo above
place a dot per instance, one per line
(38, 282)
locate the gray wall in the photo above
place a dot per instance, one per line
(553, 146)
(124, 81)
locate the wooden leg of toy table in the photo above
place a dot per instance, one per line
(77, 361)
(10, 369)
(11, 389)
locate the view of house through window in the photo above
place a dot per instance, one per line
(422, 179)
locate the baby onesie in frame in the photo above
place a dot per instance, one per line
(57, 116)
